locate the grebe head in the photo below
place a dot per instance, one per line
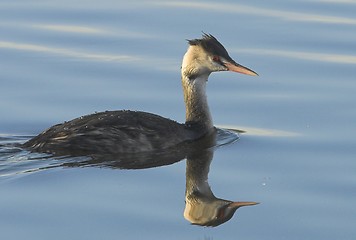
(207, 55)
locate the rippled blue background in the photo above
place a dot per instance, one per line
(63, 59)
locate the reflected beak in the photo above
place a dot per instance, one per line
(235, 67)
(242, 204)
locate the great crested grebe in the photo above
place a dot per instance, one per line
(114, 132)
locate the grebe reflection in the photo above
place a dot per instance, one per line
(202, 207)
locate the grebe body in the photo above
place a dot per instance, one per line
(133, 132)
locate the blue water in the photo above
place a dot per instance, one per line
(61, 60)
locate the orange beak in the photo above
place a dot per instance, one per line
(235, 67)
(242, 204)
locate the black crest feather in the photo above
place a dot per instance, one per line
(210, 44)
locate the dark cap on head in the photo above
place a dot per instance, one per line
(211, 45)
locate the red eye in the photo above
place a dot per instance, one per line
(216, 58)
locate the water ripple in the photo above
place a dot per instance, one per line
(311, 56)
(66, 52)
(69, 28)
(239, 8)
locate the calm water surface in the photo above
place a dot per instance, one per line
(60, 60)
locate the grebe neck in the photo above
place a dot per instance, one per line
(196, 103)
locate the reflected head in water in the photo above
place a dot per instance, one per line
(211, 212)
(201, 205)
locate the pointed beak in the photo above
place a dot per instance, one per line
(235, 67)
(242, 204)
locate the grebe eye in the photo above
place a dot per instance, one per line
(216, 58)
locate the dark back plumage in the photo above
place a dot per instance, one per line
(111, 132)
